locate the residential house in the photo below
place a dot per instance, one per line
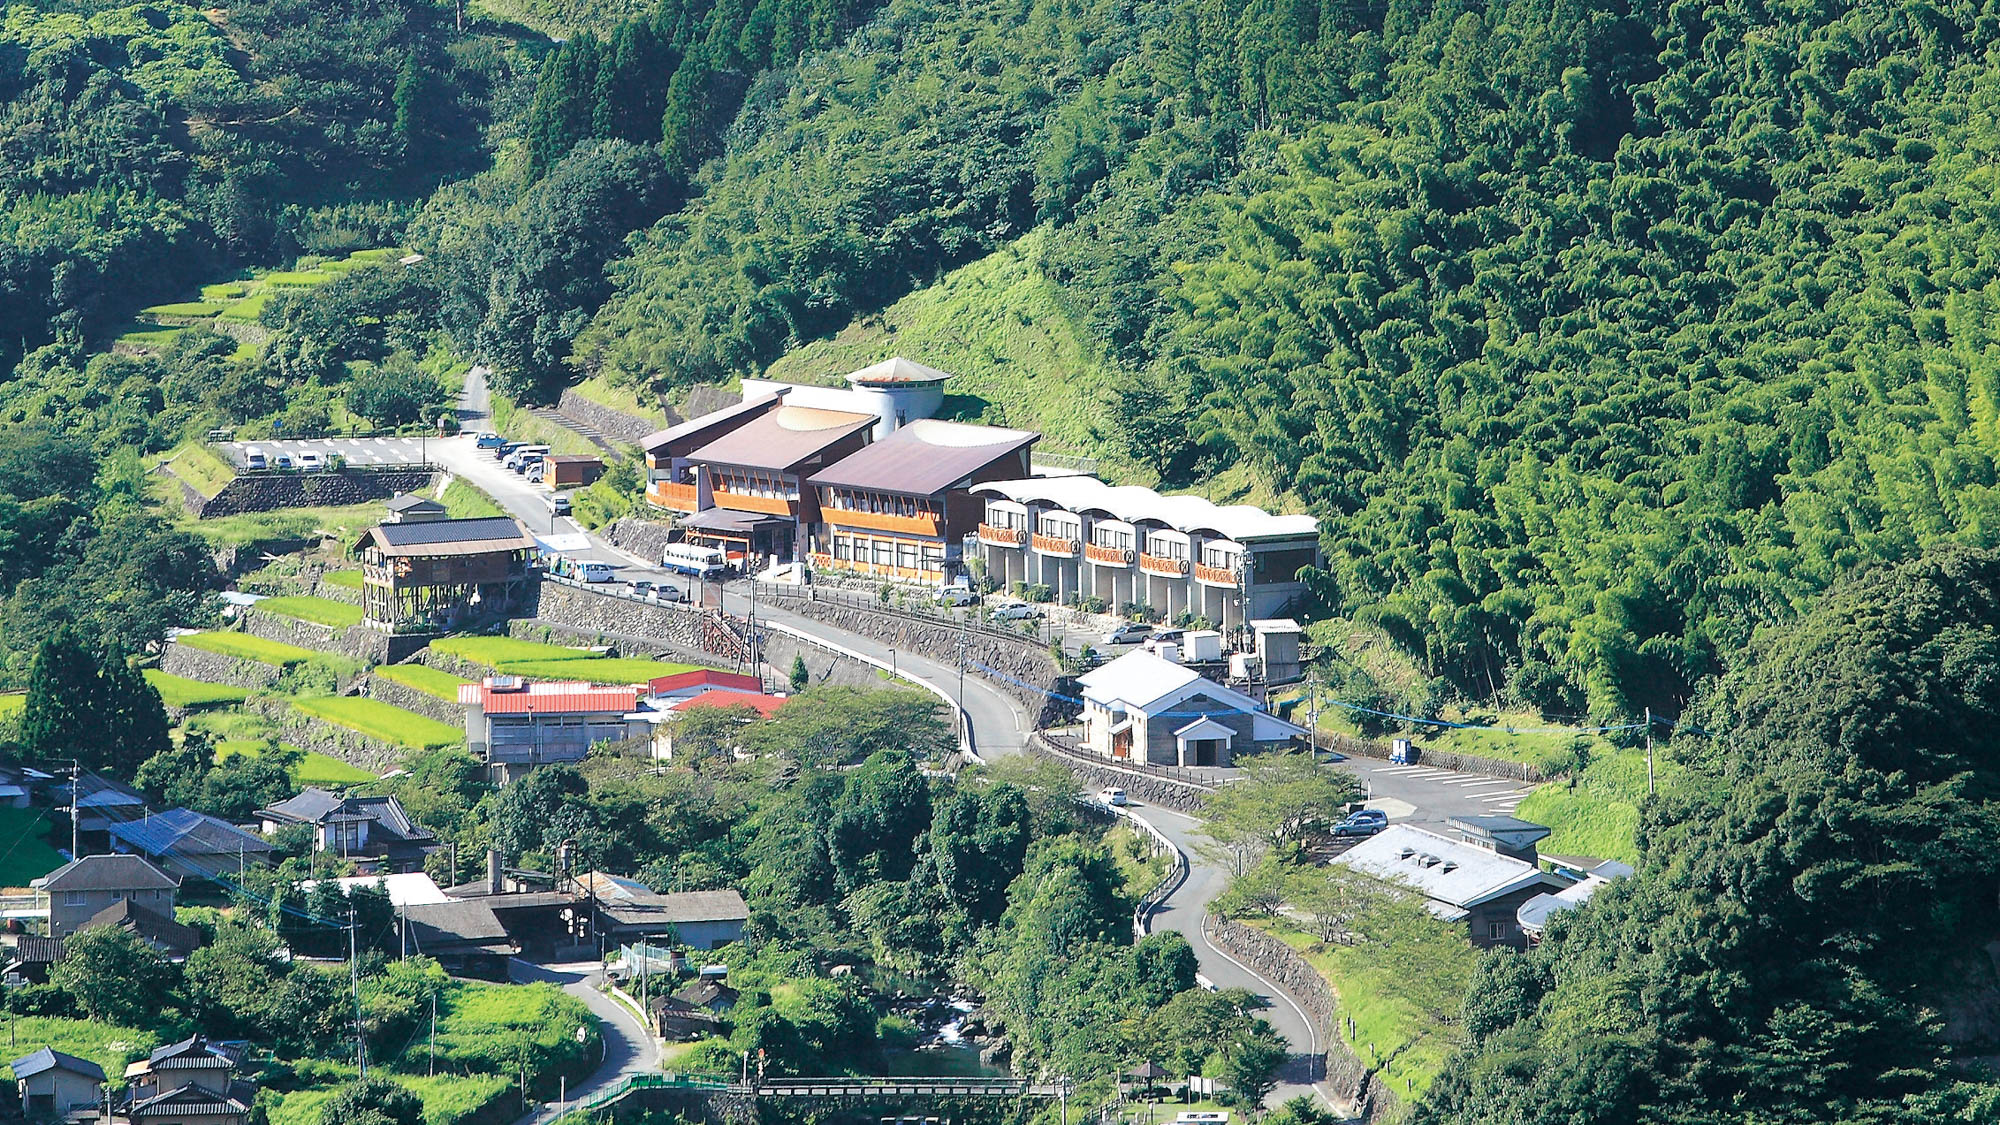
(630, 911)
(759, 707)
(168, 938)
(102, 803)
(19, 784)
(376, 830)
(192, 1082)
(515, 726)
(902, 507)
(31, 955)
(1126, 545)
(83, 888)
(192, 845)
(1146, 709)
(1460, 881)
(412, 508)
(418, 577)
(677, 1021)
(464, 936)
(709, 994)
(52, 1084)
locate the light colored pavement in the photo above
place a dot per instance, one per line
(628, 1048)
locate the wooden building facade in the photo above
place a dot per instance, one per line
(428, 576)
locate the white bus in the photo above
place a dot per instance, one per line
(694, 560)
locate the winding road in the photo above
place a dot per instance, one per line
(628, 1048)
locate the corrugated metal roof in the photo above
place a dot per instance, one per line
(410, 500)
(728, 681)
(783, 438)
(451, 537)
(925, 457)
(765, 705)
(179, 833)
(551, 699)
(1451, 872)
(714, 419)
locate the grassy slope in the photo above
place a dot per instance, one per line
(348, 579)
(379, 720)
(246, 647)
(25, 850)
(12, 703)
(287, 523)
(462, 501)
(997, 325)
(490, 651)
(182, 692)
(423, 678)
(108, 1046)
(317, 610)
(1600, 815)
(314, 768)
(202, 468)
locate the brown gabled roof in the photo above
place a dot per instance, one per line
(783, 438)
(175, 939)
(712, 424)
(107, 873)
(926, 457)
(438, 538)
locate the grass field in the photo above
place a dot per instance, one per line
(201, 468)
(448, 1099)
(286, 523)
(320, 611)
(196, 309)
(492, 651)
(346, 579)
(1600, 815)
(188, 694)
(25, 850)
(376, 719)
(999, 327)
(1396, 989)
(462, 501)
(314, 768)
(12, 703)
(423, 678)
(601, 671)
(107, 1045)
(243, 646)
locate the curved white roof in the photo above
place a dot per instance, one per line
(897, 370)
(1182, 513)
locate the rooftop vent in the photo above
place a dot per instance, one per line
(1406, 853)
(1450, 867)
(505, 683)
(1430, 861)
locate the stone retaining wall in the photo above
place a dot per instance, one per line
(1151, 789)
(410, 699)
(356, 642)
(215, 668)
(266, 492)
(614, 424)
(642, 537)
(670, 627)
(308, 732)
(1280, 963)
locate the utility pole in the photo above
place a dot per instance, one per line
(354, 974)
(1312, 714)
(964, 721)
(1649, 751)
(434, 1033)
(75, 797)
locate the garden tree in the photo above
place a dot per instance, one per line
(538, 813)
(706, 732)
(441, 790)
(97, 710)
(818, 1027)
(313, 1013)
(1164, 965)
(114, 976)
(398, 1001)
(233, 980)
(374, 1101)
(174, 776)
(241, 784)
(1282, 801)
(1802, 907)
(1190, 1032)
(978, 844)
(801, 677)
(829, 725)
(395, 393)
(871, 834)
(1332, 900)
(1250, 1065)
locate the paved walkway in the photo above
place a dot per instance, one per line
(628, 1048)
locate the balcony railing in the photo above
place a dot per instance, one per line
(1165, 566)
(1108, 556)
(998, 536)
(1214, 575)
(926, 525)
(1055, 545)
(668, 494)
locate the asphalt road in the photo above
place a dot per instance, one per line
(628, 1047)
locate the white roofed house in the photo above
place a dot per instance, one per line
(1146, 709)
(1481, 880)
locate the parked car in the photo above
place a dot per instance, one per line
(1130, 632)
(1166, 634)
(312, 461)
(559, 503)
(1366, 822)
(642, 589)
(959, 596)
(595, 572)
(1114, 797)
(668, 593)
(253, 458)
(506, 449)
(284, 461)
(489, 440)
(1017, 611)
(534, 471)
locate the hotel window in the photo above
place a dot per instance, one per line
(1218, 557)
(933, 557)
(843, 548)
(1111, 536)
(906, 555)
(1060, 527)
(1166, 548)
(885, 552)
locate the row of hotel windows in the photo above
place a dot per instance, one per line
(774, 486)
(848, 500)
(1068, 527)
(888, 552)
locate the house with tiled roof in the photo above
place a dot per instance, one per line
(375, 830)
(514, 726)
(192, 1082)
(82, 888)
(52, 1083)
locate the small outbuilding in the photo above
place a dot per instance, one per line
(53, 1083)
(1147, 709)
(412, 508)
(569, 470)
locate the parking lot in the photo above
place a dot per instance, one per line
(358, 451)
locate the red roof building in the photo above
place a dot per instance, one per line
(515, 726)
(683, 685)
(765, 706)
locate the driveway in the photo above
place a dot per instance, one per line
(628, 1048)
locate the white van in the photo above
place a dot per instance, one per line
(253, 458)
(695, 560)
(594, 571)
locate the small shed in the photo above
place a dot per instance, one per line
(565, 470)
(412, 508)
(53, 1083)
